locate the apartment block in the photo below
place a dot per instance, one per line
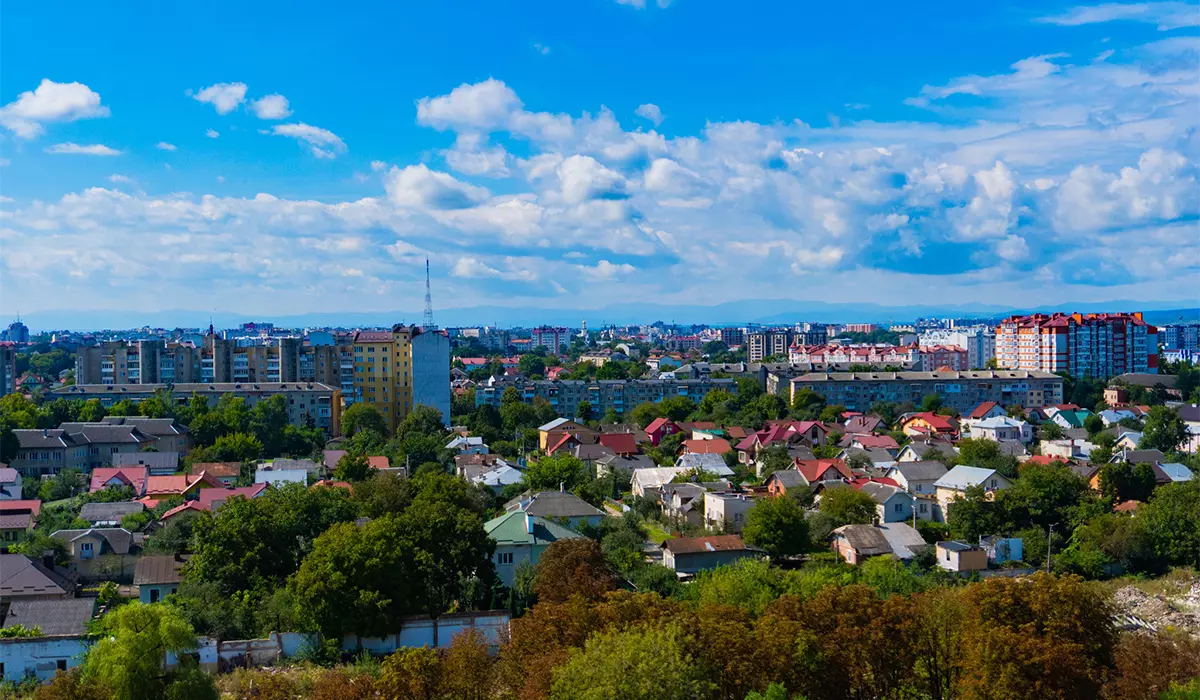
(762, 344)
(1084, 345)
(8, 367)
(431, 370)
(936, 357)
(733, 336)
(383, 372)
(1181, 336)
(306, 401)
(961, 391)
(846, 355)
(980, 343)
(619, 395)
(549, 337)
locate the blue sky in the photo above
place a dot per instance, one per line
(284, 158)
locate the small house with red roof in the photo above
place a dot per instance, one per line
(659, 428)
(712, 446)
(214, 498)
(17, 518)
(987, 409)
(623, 444)
(928, 424)
(823, 471)
(132, 477)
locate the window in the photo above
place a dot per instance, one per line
(62, 664)
(506, 557)
(899, 508)
(924, 507)
(154, 594)
(993, 483)
(85, 550)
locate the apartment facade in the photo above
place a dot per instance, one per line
(762, 344)
(8, 367)
(980, 343)
(935, 357)
(962, 391)
(1085, 345)
(318, 402)
(1181, 336)
(431, 370)
(618, 394)
(549, 337)
(383, 372)
(855, 354)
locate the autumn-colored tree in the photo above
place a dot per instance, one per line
(538, 642)
(573, 567)
(1147, 664)
(721, 639)
(468, 667)
(68, 685)
(1044, 637)
(413, 673)
(337, 684)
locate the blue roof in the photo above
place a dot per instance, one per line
(1176, 471)
(962, 477)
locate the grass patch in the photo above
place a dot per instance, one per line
(656, 533)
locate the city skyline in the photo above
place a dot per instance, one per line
(999, 157)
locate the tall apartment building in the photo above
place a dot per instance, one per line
(1181, 336)
(766, 343)
(431, 370)
(979, 342)
(860, 328)
(733, 336)
(1084, 345)
(952, 357)
(549, 337)
(962, 391)
(17, 332)
(620, 395)
(383, 372)
(8, 367)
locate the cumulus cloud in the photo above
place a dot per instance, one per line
(419, 187)
(50, 102)
(164, 146)
(1167, 15)
(322, 142)
(95, 149)
(583, 178)
(474, 268)
(212, 133)
(650, 112)
(224, 97)
(271, 107)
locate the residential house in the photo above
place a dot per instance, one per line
(1115, 416)
(715, 446)
(500, 476)
(158, 576)
(1128, 441)
(928, 424)
(622, 463)
(558, 506)
(987, 409)
(713, 464)
(156, 463)
(781, 482)
(623, 444)
(824, 471)
(868, 441)
(960, 556)
(917, 478)
(62, 645)
(875, 457)
(1071, 418)
(648, 483)
(892, 503)
(473, 445)
(683, 503)
(1174, 472)
(954, 484)
(1001, 428)
(186, 485)
(921, 450)
(904, 539)
(659, 428)
(521, 537)
(54, 616)
(189, 507)
(102, 553)
(17, 519)
(10, 483)
(117, 477)
(857, 543)
(168, 435)
(280, 477)
(863, 424)
(558, 425)
(27, 579)
(225, 472)
(110, 514)
(79, 446)
(726, 512)
(690, 555)
(214, 498)
(330, 459)
(1138, 456)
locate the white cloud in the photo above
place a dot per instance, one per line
(542, 49)
(650, 112)
(474, 268)
(116, 178)
(605, 270)
(583, 178)
(419, 187)
(322, 142)
(1167, 15)
(95, 149)
(50, 102)
(472, 155)
(378, 166)
(224, 97)
(164, 146)
(485, 105)
(271, 107)
(212, 133)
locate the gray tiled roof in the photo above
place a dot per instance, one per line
(109, 512)
(54, 616)
(556, 504)
(159, 569)
(867, 540)
(20, 576)
(119, 539)
(921, 471)
(158, 427)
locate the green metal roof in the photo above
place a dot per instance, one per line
(510, 529)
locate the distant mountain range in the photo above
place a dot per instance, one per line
(763, 311)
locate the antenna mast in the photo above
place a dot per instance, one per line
(427, 322)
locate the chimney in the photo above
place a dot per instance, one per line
(45, 432)
(528, 523)
(48, 560)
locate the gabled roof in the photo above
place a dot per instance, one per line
(21, 577)
(157, 427)
(868, 441)
(118, 538)
(557, 422)
(54, 616)
(163, 461)
(787, 478)
(555, 504)
(1139, 456)
(109, 512)
(903, 538)
(219, 470)
(715, 446)
(189, 507)
(31, 506)
(620, 443)
(867, 540)
(813, 470)
(518, 527)
(176, 484)
(1175, 472)
(8, 476)
(701, 545)
(862, 424)
(134, 477)
(983, 409)
(920, 471)
(936, 421)
(962, 477)
(213, 498)
(705, 462)
(880, 493)
(379, 462)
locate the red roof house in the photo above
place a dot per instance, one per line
(133, 477)
(214, 498)
(659, 428)
(816, 470)
(620, 443)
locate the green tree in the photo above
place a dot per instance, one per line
(555, 471)
(1043, 496)
(352, 467)
(1172, 519)
(583, 411)
(1093, 424)
(1165, 431)
(974, 514)
(1050, 431)
(1122, 481)
(530, 364)
(363, 416)
(931, 403)
(847, 506)
(128, 657)
(986, 454)
(423, 421)
(92, 411)
(677, 408)
(777, 525)
(807, 404)
(644, 413)
(637, 664)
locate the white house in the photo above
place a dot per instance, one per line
(1000, 428)
(726, 511)
(892, 504)
(955, 483)
(471, 445)
(917, 477)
